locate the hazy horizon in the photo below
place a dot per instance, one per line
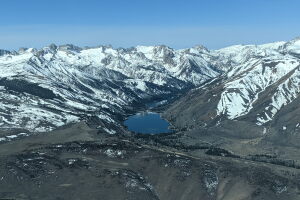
(177, 24)
(126, 47)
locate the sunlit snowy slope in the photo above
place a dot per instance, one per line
(259, 85)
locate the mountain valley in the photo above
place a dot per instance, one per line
(234, 115)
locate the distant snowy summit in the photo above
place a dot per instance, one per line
(56, 85)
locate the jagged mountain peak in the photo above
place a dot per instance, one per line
(4, 52)
(295, 40)
(52, 47)
(201, 48)
(292, 47)
(69, 47)
(23, 50)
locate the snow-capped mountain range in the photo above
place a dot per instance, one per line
(257, 69)
(56, 85)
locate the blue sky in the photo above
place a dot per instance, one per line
(126, 23)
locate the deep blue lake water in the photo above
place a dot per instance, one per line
(147, 123)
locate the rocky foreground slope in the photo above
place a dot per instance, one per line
(78, 163)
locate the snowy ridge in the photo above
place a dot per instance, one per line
(285, 93)
(244, 89)
(253, 70)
